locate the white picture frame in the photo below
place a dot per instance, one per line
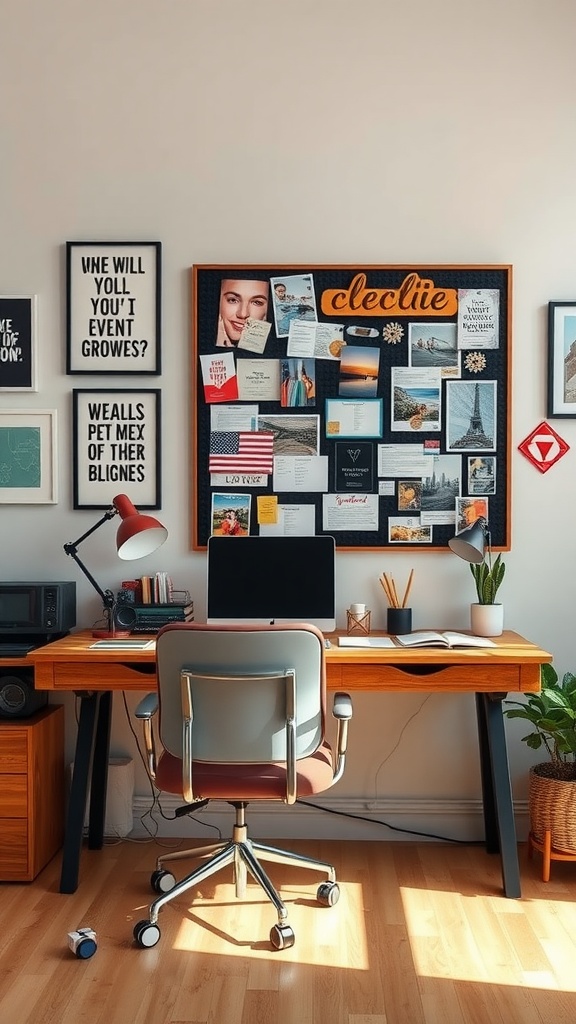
(28, 457)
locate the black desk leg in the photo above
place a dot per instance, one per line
(100, 773)
(89, 705)
(496, 789)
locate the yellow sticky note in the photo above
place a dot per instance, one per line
(267, 509)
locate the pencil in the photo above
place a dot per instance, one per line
(386, 587)
(390, 591)
(408, 586)
(394, 592)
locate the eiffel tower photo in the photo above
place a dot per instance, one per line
(475, 436)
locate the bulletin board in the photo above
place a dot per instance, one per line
(369, 403)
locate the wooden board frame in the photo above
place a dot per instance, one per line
(390, 302)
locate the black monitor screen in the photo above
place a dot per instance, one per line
(272, 579)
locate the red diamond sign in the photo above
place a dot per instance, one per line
(543, 447)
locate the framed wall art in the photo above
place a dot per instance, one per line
(116, 447)
(113, 307)
(362, 402)
(18, 343)
(562, 359)
(28, 458)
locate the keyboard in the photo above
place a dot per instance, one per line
(13, 650)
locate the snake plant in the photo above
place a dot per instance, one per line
(488, 577)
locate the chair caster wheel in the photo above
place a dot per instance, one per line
(146, 934)
(162, 881)
(282, 936)
(83, 943)
(328, 894)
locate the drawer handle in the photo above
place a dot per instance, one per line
(144, 670)
(421, 670)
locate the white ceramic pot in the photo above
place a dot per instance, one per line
(487, 619)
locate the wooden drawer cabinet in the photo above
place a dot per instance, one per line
(32, 793)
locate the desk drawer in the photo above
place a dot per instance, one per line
(13, 850)
(13, 796)
(13, 749)
(436, 677)
(105, 676)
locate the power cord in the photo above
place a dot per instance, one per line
(156, 805)
(386, 824)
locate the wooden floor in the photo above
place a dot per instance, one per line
(421, 935)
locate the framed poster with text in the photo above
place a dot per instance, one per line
(113, 300)
(18, 343)
(116, 447)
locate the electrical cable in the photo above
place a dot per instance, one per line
(155, 795)
(395, 828)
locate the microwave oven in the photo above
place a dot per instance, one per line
(37, 609)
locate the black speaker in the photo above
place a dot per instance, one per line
(124, 616)
(18, 698)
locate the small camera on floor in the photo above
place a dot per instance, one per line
(83, 943)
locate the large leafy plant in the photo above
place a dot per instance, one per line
(552, 712)
(488, 576)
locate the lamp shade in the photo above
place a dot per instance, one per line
(471, 542)
(138, 535)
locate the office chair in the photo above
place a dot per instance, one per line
(241, 717)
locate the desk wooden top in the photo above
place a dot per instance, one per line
(512, 665)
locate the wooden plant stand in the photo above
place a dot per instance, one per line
(548, 854)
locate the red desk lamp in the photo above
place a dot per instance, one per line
(137, 535)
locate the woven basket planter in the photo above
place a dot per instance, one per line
(552, 804)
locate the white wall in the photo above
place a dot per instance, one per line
(309, 132)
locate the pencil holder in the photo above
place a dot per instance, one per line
(358, 622)
(399, 620)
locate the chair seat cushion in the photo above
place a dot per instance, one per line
(247, 781)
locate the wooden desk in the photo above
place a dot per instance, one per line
(513, 666)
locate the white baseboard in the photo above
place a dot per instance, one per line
(437, 819)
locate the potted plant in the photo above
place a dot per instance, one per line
(552, 789)
(487, 616)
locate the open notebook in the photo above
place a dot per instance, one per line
(428, 638)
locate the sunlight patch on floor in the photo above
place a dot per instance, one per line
(325, 936)
(471, 938)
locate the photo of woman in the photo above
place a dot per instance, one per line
(239, 300)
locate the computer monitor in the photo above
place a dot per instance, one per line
(272, 579)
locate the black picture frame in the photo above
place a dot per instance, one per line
(18, 343)
(116, 446)
(113, 308)
(561, 360)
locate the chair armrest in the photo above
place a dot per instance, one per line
(145, 710)
(342, 707)
(342, 711)
(148, 706)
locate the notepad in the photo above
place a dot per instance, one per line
(365, 641)
(123, 645)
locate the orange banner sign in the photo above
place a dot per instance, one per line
(415, 295)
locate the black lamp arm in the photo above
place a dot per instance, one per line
(72, 550)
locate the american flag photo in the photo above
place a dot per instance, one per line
(244, 451)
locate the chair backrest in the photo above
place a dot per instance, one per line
(238, 680)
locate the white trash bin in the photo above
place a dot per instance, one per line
(118, 820)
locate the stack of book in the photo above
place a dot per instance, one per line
(151, 617)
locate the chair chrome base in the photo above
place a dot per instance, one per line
(244, 855)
